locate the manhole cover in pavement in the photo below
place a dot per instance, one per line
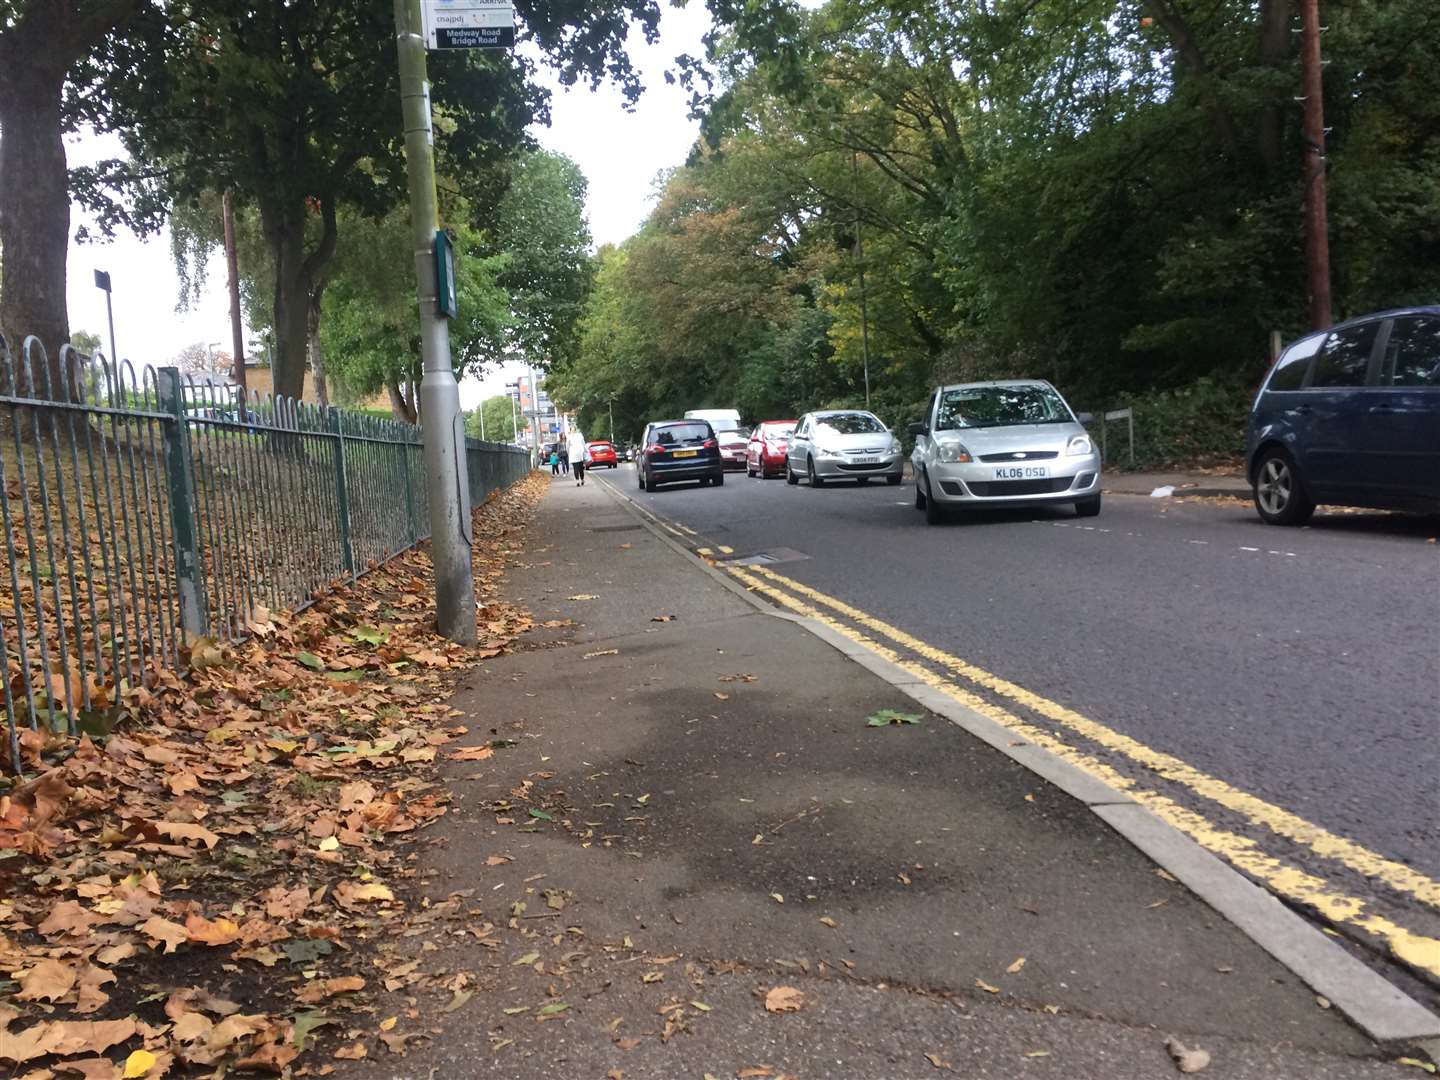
(767, 557)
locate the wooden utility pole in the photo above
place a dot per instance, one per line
(232, 269)
(1317, 227)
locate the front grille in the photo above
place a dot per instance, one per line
(1022, 455)
(872, 450)
(997, 488)
(849, 467)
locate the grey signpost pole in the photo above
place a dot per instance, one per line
(447, 485)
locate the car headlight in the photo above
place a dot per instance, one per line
(1080, 444)
(952, 452)
(827, 451)
(895, 447)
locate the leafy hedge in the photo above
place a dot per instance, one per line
(1201, 424)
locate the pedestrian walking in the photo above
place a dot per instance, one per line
(579, 455)
(564, 457)
(554, 461)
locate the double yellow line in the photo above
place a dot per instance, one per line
(1285, 879)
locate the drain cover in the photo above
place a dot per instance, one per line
(768, 557)
(614, 528)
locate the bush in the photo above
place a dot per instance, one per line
(1201, 425)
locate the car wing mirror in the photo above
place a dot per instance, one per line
(919, 429)
(1085, 418)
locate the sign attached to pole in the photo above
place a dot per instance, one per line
(447, 302)
(469, 24)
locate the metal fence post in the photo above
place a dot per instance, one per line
(410, 496)
(342, 493)
(180, 472)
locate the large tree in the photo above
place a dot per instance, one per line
(41, 44)
(295, 108)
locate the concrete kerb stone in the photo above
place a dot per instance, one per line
(1375, 1006)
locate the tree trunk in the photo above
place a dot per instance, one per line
(34, 217)
(317, 354)
(285, 233)
(1274, 53)
(399, 406)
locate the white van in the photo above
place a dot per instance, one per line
(720, 419)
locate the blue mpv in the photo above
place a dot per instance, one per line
(1350, 416)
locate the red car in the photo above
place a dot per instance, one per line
(602, 453)
(769, 442)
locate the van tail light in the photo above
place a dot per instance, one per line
(710, 444)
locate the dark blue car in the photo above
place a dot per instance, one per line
(673, 450)
(1351, 416)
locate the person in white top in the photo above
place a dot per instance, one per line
(579, 455)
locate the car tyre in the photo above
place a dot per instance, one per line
(933, 514)
(1088, 507)
(790, 476)
(920, 499)
(815, 481)
(719, 480)
(894, 481)
(1280, 494)
(650, 484)
(749, 471)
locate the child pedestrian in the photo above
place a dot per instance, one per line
(554, 462)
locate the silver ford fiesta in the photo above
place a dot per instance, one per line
(1012, 443)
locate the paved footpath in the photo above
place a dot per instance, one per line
(695, 818)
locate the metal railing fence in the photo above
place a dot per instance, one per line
(143, 510)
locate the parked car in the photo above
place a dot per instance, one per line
(1010, 443)
(732, 446)
(674, 450)
(602, 455)
(1350, 416)
(842, 444)
(765, 452)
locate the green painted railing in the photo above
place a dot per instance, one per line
(143, 510)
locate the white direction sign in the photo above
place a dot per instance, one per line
(469, 24)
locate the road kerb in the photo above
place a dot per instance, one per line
(1369, 1001)
(1374, 1005)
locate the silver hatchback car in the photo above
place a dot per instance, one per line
(1012, 443)
(843, 444)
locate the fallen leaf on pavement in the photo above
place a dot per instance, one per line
(65, 1037)
(473, 753)
(777, 898)
(1166, 875)
(601, 652)
(352, 1053)
(1186, 1059)
(583, 596)
(138, 1064)
(755, 1071)
(888, 717)
(721, 696)
(1014, 969)
(784, 999)
(1037, 1053)
(935, 1060)
(828, 921)
(983, 985)
(49, 980)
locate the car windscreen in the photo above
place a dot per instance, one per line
(777, 431)
(682, 434)
(848, 424)
(999, 406)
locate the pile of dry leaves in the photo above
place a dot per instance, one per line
(195, 889)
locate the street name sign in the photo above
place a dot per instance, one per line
(469, 24)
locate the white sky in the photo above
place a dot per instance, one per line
(619, 152)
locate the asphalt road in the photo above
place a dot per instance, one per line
(1300, 666)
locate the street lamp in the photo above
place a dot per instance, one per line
(102, 282)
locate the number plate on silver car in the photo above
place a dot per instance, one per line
(1021, 472)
